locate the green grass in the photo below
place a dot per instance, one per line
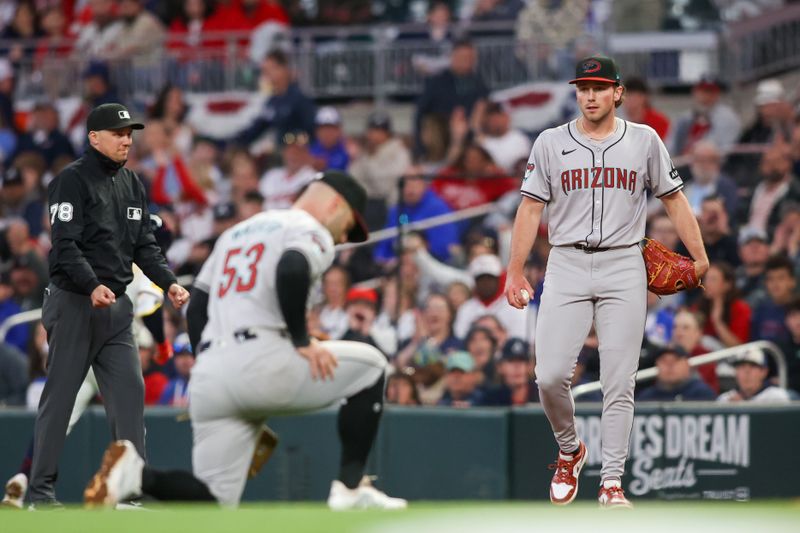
(421, 517)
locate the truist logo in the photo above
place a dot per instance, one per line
(591, 66)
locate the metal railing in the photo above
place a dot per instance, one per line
(762, 46)
(388, 60)
(33, 315)
(719, 355)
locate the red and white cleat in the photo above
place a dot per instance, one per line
(612, 496)
(564, 485)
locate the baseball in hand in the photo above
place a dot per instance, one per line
(526, 297)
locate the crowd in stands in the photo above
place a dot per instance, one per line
(433, 302)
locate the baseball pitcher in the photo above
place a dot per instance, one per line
(592, 174)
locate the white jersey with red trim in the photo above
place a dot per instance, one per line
(240, 274)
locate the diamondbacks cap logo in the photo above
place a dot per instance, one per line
(123, 114)
(591, 66)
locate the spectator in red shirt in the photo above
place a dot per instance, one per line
(474, 179)
(259, 11)
(55, 43)
(154, 380)
(186, 30)
(638, 109)
(727, 315)
(172, 179)
(687, 334)
(228, 16)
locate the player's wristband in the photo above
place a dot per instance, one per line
(302, 342)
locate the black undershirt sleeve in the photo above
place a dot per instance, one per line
(196, 316)
(293, 282)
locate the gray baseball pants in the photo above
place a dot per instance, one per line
(81, 337)
(609, 287)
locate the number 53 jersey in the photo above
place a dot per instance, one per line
(240, 274)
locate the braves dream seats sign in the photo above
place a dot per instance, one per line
(674, 454)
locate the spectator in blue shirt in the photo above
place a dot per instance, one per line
(287, 110)
(459, 86)
(461, 382)
(328, 149)
(675, 381)
(176, 393)
(516, 373)
(769, 318)
(43, 136)
(419, 203)
(18, 335)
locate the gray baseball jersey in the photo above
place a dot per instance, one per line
(595, 193)
(595, 190)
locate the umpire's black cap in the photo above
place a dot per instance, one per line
(596, 68)
(355, 195)
(111, 117)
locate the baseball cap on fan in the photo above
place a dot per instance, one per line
(596, 68)
(753, 357)
(328, 116)
(355, 195)
(111, 117)
(485, 265)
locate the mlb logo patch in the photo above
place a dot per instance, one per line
(134, 213)
(123, 114)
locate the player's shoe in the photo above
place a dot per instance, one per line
(364, 496)
(16, 487)
(564, 485)
(612, 496)
(267, 441)
(119, 477)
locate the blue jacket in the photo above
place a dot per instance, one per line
(52, 146)
(694, 389)
(289, 111)
(18, 335)
(443, 92)
(335, 157)
(475, 398)
(439, 238)
(769, 322)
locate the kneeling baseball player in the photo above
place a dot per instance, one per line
(255, 358)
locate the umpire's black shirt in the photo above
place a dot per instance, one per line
(100, 226)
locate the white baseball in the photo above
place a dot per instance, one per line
(526, 297)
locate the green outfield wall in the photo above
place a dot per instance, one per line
(678, 451)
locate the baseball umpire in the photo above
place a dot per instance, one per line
(99, 227)
(256, 360)
(593, 174)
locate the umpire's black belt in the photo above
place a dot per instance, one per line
(589, 250)
(239, 336)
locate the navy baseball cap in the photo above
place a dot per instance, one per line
(181, 345)
(677, 351)
(355, 195)
(111, 117)
(516, 349)
(596, 68)
(380, 120)
(224, 211)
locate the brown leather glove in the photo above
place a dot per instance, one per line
(667, 272)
